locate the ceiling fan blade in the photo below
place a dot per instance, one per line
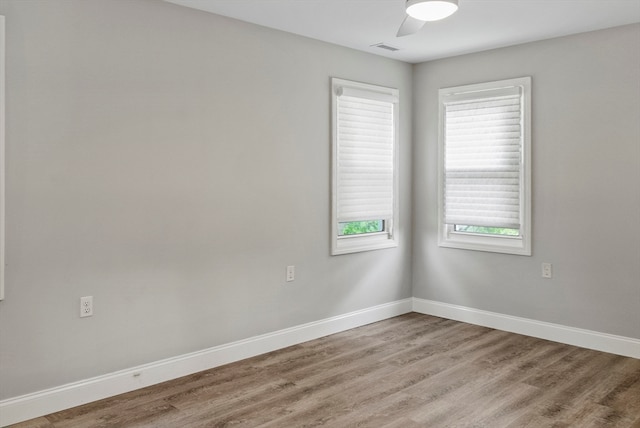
(409, 26)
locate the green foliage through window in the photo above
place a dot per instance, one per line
(360, 227)
(487, 230)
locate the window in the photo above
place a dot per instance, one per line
(364, 167)
(485, 174)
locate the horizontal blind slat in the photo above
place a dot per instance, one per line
(365, 159)
(483, 161)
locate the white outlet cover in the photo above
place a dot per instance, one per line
(291, 273)
(547, 271)
(86, 306)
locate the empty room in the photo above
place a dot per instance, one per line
(289, 213)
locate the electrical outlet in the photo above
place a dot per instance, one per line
(86, 306)
(546, 270)
(291, 273)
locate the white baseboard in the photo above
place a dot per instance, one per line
(620, 345)
(18, 409)
(40, 403)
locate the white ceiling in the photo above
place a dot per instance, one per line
(478, 25)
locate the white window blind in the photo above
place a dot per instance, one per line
(365, 156)
(364, 167)
(483, 158)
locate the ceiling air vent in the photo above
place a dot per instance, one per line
(386, 47)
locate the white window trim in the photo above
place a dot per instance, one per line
(370, 241)
(447, 237)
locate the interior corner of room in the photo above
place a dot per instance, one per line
(175, 166)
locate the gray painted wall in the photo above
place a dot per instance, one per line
(586, 185)
(171, 163)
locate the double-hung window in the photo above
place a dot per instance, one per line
(485, 174)
(364, 167)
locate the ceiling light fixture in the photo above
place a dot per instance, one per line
(431, 10)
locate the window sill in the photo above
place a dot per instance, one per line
(494, 244)
(356, 244)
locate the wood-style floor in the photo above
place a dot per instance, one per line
(409, 371)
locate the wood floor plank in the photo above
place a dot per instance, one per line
(622, 395)
(122, 415)
(36, 423)
(409, 371)
(497, 396)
